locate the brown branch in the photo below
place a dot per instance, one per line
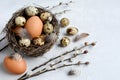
(52, 69)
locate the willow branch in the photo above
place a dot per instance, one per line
(52, 69)
(60, 4)
(67, 52)
(68, 59)
(62, 12)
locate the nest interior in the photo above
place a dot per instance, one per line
(32, 50)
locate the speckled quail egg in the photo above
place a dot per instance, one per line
(20, 21)
(64, 22)
(31, 11)
(65, 41)
(38, 41)
(48, 28)
(46, 15)
(72, 30)
(24, 42)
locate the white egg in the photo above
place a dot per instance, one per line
(31, 11)
(20, 21)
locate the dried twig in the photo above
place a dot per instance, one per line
(62, 12)
(48, 70)
(60, 4)
(68, 59)
(47, 6)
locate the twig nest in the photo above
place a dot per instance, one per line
(48, 28)
(45, 16)
(24, 42)
(31, 11)
(72, 30)
(25, 28)
(20, 21)
(65, 41)
(64, 22)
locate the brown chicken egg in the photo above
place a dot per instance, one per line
(34, 26)
(15, 64)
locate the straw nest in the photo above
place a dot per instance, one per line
(32, 50)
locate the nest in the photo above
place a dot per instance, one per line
(32, 50)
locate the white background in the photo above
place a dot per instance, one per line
(100, 18)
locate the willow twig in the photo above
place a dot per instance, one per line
(52, 69)
(60, 4)
(62, 12)
(68, 59)
(91, 44)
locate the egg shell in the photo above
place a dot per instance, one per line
(15, 67)
(34, 26)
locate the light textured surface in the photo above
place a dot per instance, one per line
(100, 18)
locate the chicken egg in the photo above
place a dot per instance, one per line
(34, 26)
